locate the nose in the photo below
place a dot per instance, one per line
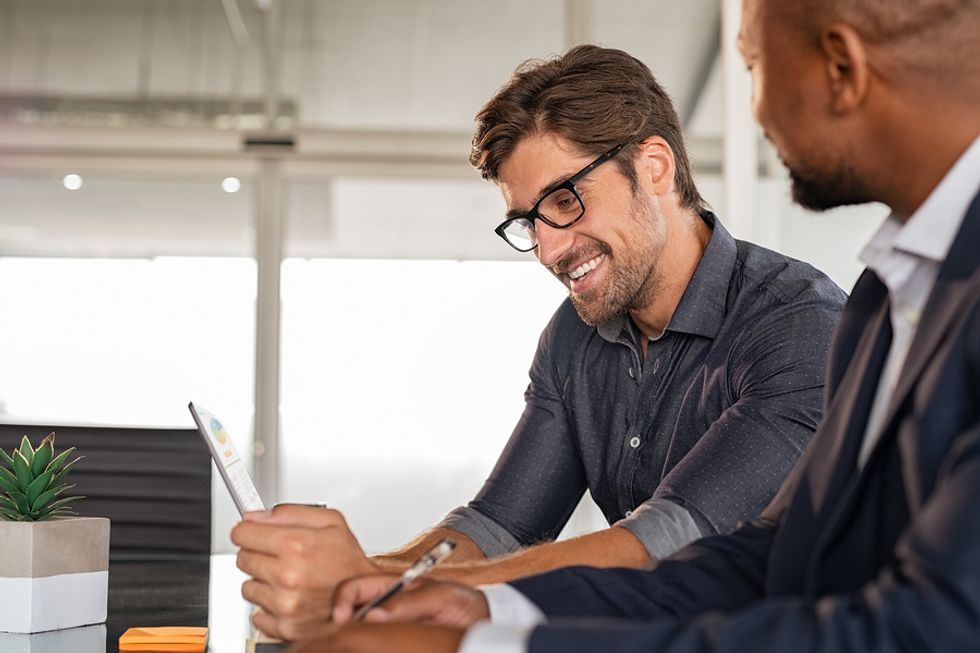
(553, 243)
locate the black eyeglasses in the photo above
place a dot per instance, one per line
(560, 208)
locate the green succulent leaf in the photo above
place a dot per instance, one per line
(64, 471)
(60, 458)
(26, 449)
(22, 468)
(6, 458)
(38, 486)
(22, 505)
(16, 497)
(43, 456)
(7, 503)
(45, 497)
(60, 504)
(9, 515)
(8, 482)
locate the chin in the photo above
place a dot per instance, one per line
(818, 191)
(593, 312)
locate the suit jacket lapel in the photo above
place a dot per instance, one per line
(951, 290)
(847, 414)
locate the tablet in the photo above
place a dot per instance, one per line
(230, 464)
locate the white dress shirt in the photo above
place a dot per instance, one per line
(906, 257)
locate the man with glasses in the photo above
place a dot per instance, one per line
(678, 384)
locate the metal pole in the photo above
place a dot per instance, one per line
(271, 52)
(740, 156)
(578, 22)
(269, 230)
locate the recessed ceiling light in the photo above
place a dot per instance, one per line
(72, 181)
(231, 184)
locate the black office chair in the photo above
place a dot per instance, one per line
(154, 484)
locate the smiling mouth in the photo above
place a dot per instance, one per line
(586, 267)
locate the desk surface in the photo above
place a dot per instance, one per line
(189, 592)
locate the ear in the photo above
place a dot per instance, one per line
(655, 165)
(847, 66)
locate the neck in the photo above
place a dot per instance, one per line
(687, 237)
(917, 152)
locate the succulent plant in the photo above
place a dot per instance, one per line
(30, 489)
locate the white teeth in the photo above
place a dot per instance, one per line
(588, 266)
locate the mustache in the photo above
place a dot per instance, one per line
(574, 259)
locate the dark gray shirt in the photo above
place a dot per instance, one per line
(685, 443)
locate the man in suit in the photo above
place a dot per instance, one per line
(873, 543)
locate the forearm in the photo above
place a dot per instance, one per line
(613, 547)
(720, 572)
(466, 550)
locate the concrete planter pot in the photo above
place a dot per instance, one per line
(53, 574)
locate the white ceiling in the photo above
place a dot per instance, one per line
(381, 94)
(388, 64)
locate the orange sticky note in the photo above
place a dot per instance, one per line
(181, 639)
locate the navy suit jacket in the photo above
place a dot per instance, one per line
(883, 558)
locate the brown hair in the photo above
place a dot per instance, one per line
(596, 98)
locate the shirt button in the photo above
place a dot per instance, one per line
(628, 513)
(634, 441)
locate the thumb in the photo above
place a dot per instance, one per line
(422, 601)
(359, 591)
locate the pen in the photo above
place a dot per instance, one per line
(429, 559)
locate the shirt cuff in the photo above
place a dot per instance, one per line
(662, 527)
(510, 607)
(492, 538)
(486, 637)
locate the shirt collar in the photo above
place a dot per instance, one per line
(930, 231)
(701, 310)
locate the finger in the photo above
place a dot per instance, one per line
(443, 603)
(417, 603)
(275, 539)
(377, 616)
(294, 514)
(259, 594)
(257, 515)
(358, 591)
(260, 566)
(266, 624)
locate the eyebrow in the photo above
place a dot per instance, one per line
(515, 213)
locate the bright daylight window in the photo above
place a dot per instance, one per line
(402, 380)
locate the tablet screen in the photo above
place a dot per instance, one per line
(230, 464)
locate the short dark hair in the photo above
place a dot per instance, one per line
(596, 98)
(935, 38)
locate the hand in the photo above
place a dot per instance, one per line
(424, 600)
(384, 638)
(295, 555)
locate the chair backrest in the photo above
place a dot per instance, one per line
(153, 484)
